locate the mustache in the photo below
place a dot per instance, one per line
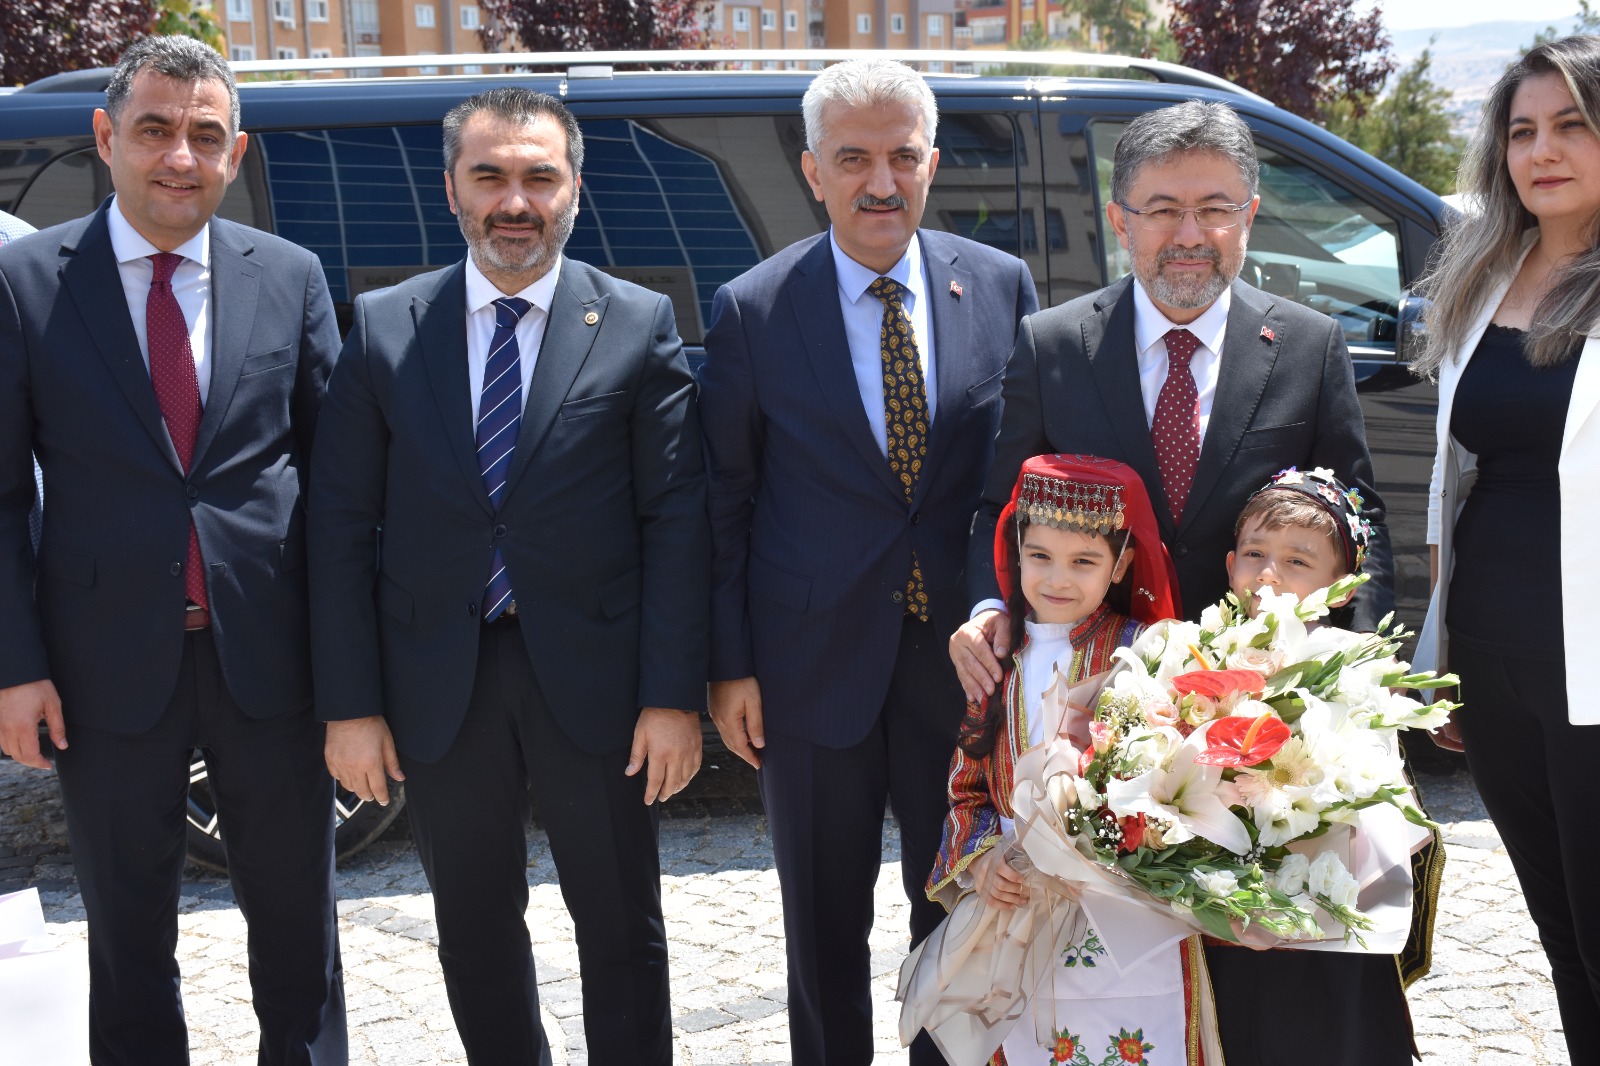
(868, 200)
(1206, 252)
(504, 219)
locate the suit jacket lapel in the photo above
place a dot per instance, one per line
(568, 337)
(950, 317)
(89, 273)
(235, 287)
(1110, 347)
(814, 300)
(1250, 347)
(441, 325)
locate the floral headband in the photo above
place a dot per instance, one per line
(1344, 504)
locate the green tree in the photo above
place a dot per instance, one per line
(1588, 22)
(189, 18)
(1408, 128)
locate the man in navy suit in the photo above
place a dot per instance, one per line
(850, 398)
(520, 431)
(12, 227)
(167, 367)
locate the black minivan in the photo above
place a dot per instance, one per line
(693, 177)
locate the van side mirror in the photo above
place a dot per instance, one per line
(1412, 326)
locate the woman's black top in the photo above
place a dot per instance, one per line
(1505, 590)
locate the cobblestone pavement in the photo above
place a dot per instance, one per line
(1487, 1002)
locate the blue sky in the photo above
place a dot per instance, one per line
(1423, 14)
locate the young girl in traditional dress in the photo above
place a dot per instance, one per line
(1083, 570)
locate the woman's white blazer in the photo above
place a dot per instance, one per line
(1455, 470)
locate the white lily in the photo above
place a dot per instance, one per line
(1191, 795)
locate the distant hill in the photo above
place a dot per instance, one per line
(1468, 60)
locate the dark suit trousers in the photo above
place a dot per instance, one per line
(1535, 771)
(825, 811)
(469, 816)
(125, 799)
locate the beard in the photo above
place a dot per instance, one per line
(1188, 293)
(512, 255)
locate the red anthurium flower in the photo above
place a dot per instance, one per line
(1239, 741)
(1219, 684)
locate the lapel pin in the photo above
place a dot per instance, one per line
(590, 319)
(1267, 334)
(955, 289)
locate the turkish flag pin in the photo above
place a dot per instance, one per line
(955, 289)
(1267, 334)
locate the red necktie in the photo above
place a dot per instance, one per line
(177, 391)
(1176, 426)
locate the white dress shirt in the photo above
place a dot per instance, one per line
(1150, 328)
(481, 295)
(191, 284)
(863, 328)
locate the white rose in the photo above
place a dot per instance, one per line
(1088, 798)
(1328, 877)
(1219, 883)
(1265, 661)
(1290, 876)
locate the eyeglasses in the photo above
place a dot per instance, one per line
(1211, 216)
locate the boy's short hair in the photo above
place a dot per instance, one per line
(1274, 508)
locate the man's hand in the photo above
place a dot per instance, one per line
(359, 752)
(22, 708)
(976, 649)
(668, 741)
(736, 709)
(1448, 736)
(997, 884)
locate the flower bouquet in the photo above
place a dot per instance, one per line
(1230, 759)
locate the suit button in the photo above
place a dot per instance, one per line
(192, 492)
(177, 568)
(916, 517)
(499, 531)
(472, 610)
(897, 596)
(1180, 550)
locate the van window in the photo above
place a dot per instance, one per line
(1313, 242)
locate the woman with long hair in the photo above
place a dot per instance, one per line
(1513, 339)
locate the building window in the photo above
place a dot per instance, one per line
(316, 10)
(283, 11)
(769, 20)
(741, 19)
(863, 23)
(897, 24)
(425, 16)
(288, 53)
(791, 21)
(241, 53)
(935, 25)
(364, 16)
(469, 18)
(472, 68)
(427, 70)
(321, 53)
(239, 11)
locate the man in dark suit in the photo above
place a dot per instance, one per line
(522, 429)
(850, 393)
(12, 227)
(1207, 387)
(167, 368)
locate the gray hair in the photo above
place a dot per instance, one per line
(521, 106)
(180, 58)
(1480, 249)
(866, 83)
(1192, 126)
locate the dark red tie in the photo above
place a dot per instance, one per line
(177, 391)
(1176, 426)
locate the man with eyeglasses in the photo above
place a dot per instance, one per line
(1206, 386)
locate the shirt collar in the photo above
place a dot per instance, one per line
(481, 292)
(1150, 325)
(128, 244)
(854, 278)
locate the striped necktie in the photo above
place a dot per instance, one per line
(499, 419)
(177, 386)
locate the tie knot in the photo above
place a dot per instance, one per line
(888, 290)
(1181, 346)
(165, 264)
(508, 311)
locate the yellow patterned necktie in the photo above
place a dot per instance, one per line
(905, 412)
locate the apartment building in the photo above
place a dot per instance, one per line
(322, 29)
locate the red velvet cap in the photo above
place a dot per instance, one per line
(1088, 494)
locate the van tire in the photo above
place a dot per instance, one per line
(360, 822)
